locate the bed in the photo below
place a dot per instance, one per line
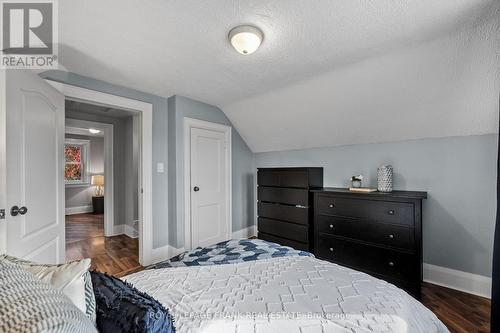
(255, 286)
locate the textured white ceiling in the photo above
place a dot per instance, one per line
(328, 72)
(446, 87)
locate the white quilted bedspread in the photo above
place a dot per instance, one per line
(289, 294)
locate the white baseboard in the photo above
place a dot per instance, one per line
(130, 231)
(125, 229)
(454, 279)
(79, 210)
(172, 251)
(118, 229)
(164, 253)
(245, 233)
(168, 251)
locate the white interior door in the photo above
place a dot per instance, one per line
(34, 168)
(209, 187)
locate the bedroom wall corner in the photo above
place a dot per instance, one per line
(172, 174)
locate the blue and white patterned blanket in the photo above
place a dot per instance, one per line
(230, 252)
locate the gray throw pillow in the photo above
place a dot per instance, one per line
(30, 305)
(72, 278)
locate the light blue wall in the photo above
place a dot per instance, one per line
(160, 141)
(459, 174)
(243, 173)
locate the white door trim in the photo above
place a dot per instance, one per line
(109, 196)
(3, 166)
(146, 167)
(196, 123)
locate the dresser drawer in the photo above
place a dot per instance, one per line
(297, 232)
(372, 210)
(288, 196)
(283, 212)
(367, 258)
(283, 241)
(379, 233)
(283, 178)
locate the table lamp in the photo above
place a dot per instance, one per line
(98, 183)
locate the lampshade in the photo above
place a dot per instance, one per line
(97, 180)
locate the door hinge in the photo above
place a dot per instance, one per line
(2, 214)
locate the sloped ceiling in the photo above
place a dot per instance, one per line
(328, 73)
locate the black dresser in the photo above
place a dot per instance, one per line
(285, 205)
(378, 233)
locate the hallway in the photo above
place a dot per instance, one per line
(116, 255)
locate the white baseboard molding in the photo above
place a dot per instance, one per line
(168, 251)
(245, 233)
(79, 210)
(125, 229)
(454, 279)
(164, 253)
(130, 231)
(118, 229)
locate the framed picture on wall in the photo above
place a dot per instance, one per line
(76, 167)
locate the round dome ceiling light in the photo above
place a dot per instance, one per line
(245, 39)
(94, 131)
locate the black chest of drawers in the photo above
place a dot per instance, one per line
(378, 233)
(285, 205)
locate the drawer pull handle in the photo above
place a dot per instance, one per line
(391, 263)
(391, 236)
(391, 212)
(331, 205)
(331, 249)
(331, 226)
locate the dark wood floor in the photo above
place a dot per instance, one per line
(118, 255)
(459, 311)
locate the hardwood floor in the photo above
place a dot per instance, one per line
(459, 311)
(118, 255)
(84, 226)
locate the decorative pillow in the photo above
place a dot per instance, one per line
(72, 278)
(122, 308)
(29, 305)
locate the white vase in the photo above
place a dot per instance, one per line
(384, 178)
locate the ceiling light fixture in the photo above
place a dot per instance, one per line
(245, 39)
(94, 131)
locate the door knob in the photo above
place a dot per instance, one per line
(14, 211)
(196, 188)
